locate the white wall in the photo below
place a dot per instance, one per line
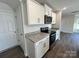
(67, 23)
(33, 28)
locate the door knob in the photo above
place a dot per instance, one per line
(21, 34)
(14, 31)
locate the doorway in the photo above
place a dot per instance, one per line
(76, 24)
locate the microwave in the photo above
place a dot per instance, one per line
(47, 19)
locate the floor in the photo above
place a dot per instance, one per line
(15, 52)
(67, 47)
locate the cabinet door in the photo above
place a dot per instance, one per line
(48, 10)
(39, 49)
(46, 44)
(53, 18)
(40, 15)
(35, 12)
(42, 47)
(32, 12)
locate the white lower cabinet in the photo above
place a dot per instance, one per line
(37, 50)
(42, 47)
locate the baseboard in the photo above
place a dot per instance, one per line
(8, 49)
(26, 55)
(66, 32)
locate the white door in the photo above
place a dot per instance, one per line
(7, 30)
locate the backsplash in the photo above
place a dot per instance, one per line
(33, 28)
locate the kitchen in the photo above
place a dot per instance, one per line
(29, 24)
(39, 28)
(40, 24)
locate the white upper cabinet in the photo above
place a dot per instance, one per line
(35, 12)
(48, 10)
(53, 18)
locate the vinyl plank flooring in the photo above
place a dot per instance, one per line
(13, 53)
(67, 47)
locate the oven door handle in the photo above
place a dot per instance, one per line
(52, 34)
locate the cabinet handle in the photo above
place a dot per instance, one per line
(44, 45)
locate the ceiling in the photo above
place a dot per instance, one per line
(11, 3)
(72, 5)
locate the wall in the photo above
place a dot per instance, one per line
(32, 28)
(67, 23)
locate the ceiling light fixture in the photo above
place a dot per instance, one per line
(64, 8)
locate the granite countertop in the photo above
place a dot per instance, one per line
(36, 36)
(54, 29)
